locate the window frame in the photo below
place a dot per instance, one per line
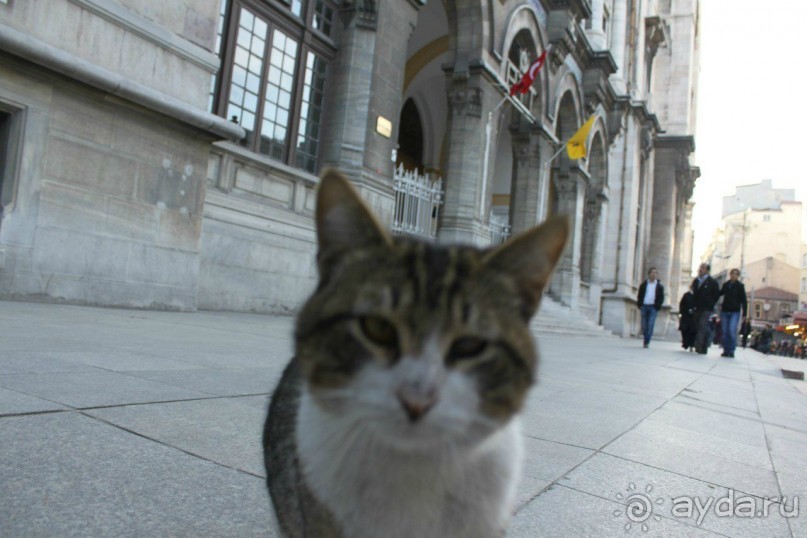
(277, 15)
(11, 150)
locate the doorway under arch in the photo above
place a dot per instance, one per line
(410, 138)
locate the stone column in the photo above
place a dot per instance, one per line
(675, 270)
(662, 231)
(366, 85)
(469, 94)
(571, 183)
(525, 194)
(670, 163)
(345, 133)
(596, 33)
(594, 227)
(619, 30)
(682, 260)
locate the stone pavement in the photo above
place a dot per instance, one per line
(140, 423)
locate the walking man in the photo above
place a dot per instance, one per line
(706, 292)
(734, 299)
(649, 301)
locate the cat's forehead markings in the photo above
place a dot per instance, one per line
(373, 297)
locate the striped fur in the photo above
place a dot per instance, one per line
(412, 357)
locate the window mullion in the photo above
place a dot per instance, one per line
(297, 98)
(267, 51)
(227, 59)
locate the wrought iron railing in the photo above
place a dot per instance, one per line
(417, 202)
(499, 228)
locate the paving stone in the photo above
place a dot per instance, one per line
(713, 424)
(99, 388)
(39, 362)
(710, 460)
(565, 512)
(225, 430)
(618, 479)
(72, 475)
(183, 394)
(229, 382)
(14, 403)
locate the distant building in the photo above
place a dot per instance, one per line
(772, 305)
(760, 234)
(761, 195)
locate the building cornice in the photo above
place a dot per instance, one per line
(685, 143)
(29, 48)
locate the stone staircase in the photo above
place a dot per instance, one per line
(555, 319)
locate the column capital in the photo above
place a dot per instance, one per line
(361, 13)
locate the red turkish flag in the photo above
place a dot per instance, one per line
(523, 85)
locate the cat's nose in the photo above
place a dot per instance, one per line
(415, 403)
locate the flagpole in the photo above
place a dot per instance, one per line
(486, 158)
(552, 158)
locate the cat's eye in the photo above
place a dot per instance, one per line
(466, 347)
(379, 331)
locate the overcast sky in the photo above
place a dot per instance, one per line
(752, 104)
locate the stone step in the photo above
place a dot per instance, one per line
(556, 319)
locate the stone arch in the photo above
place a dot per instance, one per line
(567, 121)
(566, 89)
(523, 21)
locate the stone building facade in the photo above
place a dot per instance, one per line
(164, 154)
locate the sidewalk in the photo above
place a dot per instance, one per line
(140, 423)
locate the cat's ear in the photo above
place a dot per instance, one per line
(343, 220)
(530, 257)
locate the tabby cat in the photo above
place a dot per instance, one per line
(398, 415)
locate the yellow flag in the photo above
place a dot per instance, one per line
(576, 146)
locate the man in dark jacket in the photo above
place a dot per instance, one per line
(734, 299)
(706, 292)
(649, 301)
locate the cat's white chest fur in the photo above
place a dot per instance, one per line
(374, 488)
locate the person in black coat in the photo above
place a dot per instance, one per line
(745, 331)
(686, 323)
(706, 293)
(734, 301)
(649, 301)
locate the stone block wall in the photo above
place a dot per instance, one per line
(108, 209)
(164, 46)
(258, 246)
